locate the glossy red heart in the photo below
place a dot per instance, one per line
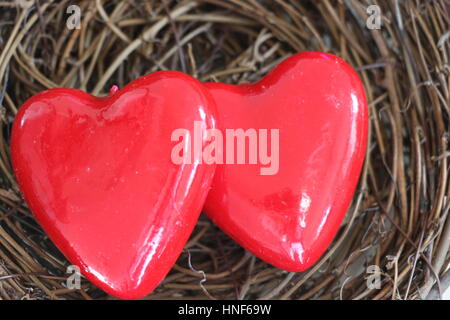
(97, 174)
(289, 217)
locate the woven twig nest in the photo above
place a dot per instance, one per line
(397, 229)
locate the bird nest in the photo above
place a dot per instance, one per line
(394, 242)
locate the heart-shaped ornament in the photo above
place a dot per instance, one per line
(99, 177)
(305, 125)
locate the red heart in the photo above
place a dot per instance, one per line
(99, 178)
(289, 218)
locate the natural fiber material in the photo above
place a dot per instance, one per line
(398, 223)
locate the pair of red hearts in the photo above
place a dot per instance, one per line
(97, 173)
